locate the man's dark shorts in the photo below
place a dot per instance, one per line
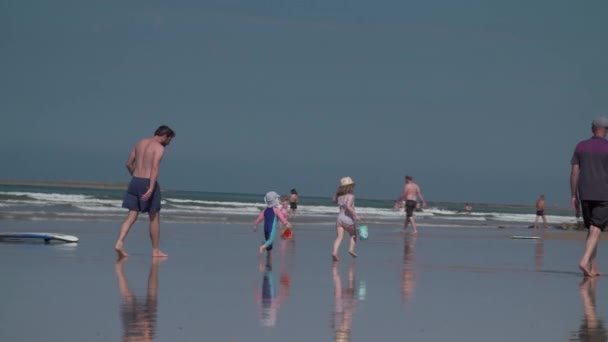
(595, 213)
(410, 206)
(540, 213)
(138, 187)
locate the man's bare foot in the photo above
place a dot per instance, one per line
(415, 232)
(585, 270)
(334, 257)
(120, 251)
(352, 253)
(262, 249)
(159, 254)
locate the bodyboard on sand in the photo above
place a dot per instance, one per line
(523, 237)
(46, 237)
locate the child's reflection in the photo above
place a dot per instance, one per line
(270, 299)
(344, 303)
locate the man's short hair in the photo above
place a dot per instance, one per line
(599, 123)
(164, 131)
(409, 178)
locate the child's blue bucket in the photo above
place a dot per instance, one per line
(362, 232)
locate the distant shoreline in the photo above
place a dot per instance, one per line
(68, 184)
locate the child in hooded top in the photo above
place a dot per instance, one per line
(271, 215)
(345, 199)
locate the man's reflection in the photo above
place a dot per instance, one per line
(138, 314)
(592, 328)
(408, 280)
(539, 254)
(344, 303)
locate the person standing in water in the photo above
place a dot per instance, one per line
(293, 203)
(589, 187)
(411, 194)
(347, 217)
(143, 193)
(540, 211)
(468, 209)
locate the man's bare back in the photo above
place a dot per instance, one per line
(540, 204)
(411, 191)
(144, 161)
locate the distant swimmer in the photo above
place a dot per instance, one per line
(271, 216)
(347, 218)
(540, 211)
(411, 194)
(143, 193)
(589, 185)
(468, 209)
(293, 203)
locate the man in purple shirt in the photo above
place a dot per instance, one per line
(589, 185)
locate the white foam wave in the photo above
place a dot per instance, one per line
(221, 203)
(552, 219)
(440, 211)
(51, 197)
(99, 208)
(227, 210)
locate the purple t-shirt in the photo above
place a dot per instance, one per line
(592, 157)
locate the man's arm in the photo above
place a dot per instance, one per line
(158, 155)
(574, 185)
(131, 162)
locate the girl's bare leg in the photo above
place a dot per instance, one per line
(351, 249)
(339, 236)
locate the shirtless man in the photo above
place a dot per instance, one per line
(143, 194)
(540, 211)
(411, 194)
(589, 189)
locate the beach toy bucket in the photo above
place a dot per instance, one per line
(286, 234)
(362, 232)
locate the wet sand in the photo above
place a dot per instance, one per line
(444, 284)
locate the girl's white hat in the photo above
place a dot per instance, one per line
(344, 181)
(272, 199)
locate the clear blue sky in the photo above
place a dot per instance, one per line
(478, 100)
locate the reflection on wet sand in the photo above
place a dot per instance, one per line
(539, 254)
(592, 327)
(344, 303)
(138, 313)
(270, 301)
(408, 280)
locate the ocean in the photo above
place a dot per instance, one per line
(71, 203)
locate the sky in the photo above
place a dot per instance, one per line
(479, 100)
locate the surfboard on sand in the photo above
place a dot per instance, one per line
(525, 237)
(46, 237)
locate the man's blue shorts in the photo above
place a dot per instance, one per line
(138, 187)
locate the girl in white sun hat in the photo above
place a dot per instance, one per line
(345, 199)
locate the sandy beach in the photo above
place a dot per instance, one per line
(461, 285)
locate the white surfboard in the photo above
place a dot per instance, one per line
(525, 237)
(46, 237)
